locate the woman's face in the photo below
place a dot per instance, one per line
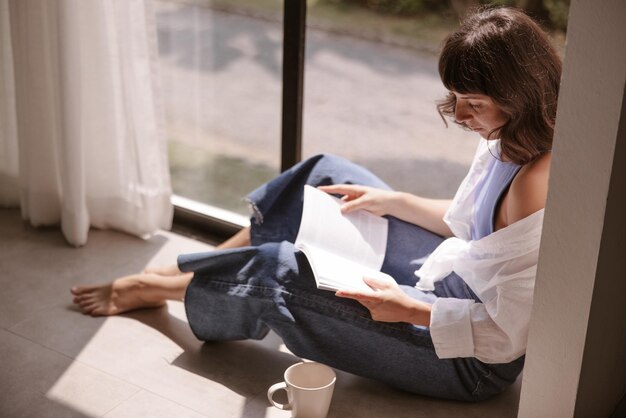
(480, 114)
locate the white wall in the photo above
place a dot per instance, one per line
(576, 357)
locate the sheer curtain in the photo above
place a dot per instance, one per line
(82, 140)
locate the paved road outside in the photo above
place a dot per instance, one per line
(375, 104)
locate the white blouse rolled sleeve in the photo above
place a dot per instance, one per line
(500, 268)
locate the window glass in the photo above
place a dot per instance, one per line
(370, 91)
(372, 99)
(221, 75)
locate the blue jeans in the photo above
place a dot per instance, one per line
(243, 293)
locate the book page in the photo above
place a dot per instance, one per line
(333, 272)
(359, 237)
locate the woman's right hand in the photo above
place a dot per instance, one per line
(376, 201)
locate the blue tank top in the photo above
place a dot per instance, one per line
(489, 192)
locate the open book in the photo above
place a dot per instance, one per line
(341, 249)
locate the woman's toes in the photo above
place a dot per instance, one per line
(80, 290)
(83, 299)
(80, 298)
(89, 301)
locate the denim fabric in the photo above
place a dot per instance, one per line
(243, 293)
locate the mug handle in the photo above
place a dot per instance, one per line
(270, 394)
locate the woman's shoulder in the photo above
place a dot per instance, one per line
(529, 189)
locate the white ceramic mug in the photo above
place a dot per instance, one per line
(309, 388)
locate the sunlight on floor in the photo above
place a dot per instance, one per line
(57, 362)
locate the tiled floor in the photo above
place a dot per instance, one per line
(55, 362)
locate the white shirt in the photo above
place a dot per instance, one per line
(499, 268)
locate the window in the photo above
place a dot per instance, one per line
(368, 96)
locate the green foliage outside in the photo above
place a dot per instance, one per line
(399, 7)
(552, 13)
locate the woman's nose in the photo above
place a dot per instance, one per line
(461, 112)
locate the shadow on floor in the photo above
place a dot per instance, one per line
(250, 367)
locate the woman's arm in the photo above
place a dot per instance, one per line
(427, 213)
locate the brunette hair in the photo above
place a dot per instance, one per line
(502, 53)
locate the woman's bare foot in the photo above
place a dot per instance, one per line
(129, 293)
(147, 290)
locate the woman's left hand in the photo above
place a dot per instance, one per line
(388, 303)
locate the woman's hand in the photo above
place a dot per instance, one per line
(427, 213)
(376, 201)
(388, 303)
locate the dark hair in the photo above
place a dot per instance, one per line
(502, 53)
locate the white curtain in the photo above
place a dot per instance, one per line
(82, 140)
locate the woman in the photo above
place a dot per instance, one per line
(457, 327)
